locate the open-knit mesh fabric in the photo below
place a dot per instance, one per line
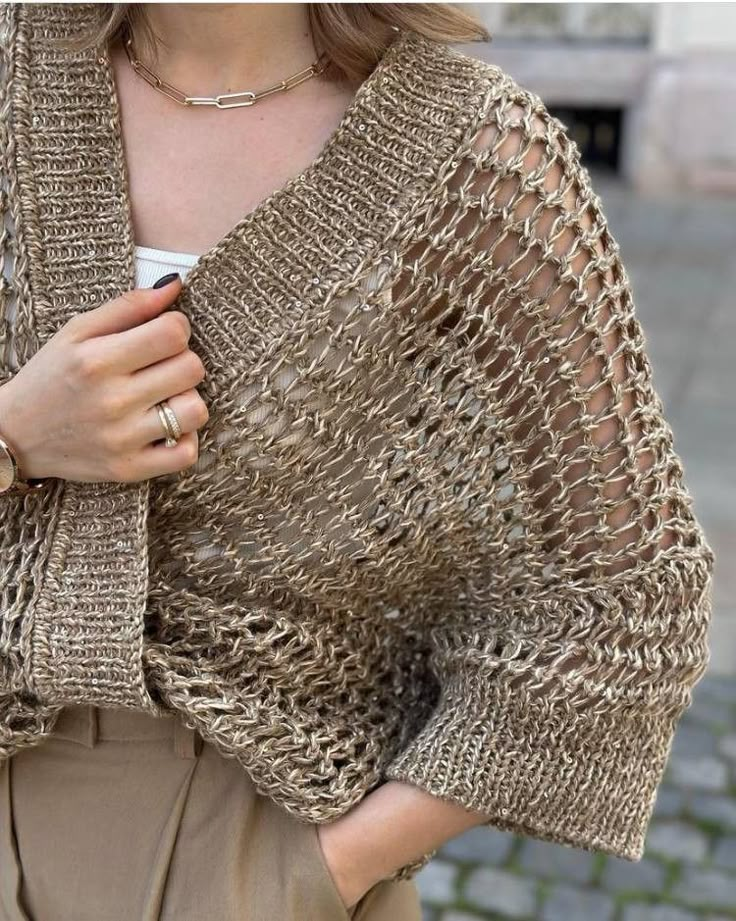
(471, 447)
(582, 576)
(438, 530)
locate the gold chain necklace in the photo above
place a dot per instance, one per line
(247, 97)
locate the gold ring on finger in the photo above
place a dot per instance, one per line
(169, 422)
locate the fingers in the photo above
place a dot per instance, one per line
(128, 310)
(188, 407)
(153, 457)
(166, 377)
(158, 459)
(159, 338)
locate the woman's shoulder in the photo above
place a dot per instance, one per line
(498, 122)
(447, 57)
(479, 89)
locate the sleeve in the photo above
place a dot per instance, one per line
(573, 628)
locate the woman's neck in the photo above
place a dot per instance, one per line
(225, 47)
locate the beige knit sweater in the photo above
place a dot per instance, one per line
(438, 531)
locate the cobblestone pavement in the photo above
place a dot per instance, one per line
(688, 872)
(679, 255)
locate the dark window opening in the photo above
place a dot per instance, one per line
(596, 131)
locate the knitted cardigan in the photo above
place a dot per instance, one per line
(438, 531)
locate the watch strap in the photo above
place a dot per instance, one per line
(30, 484)
(20, 483)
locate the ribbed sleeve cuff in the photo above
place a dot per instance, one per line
(586, 779)
(88, 624)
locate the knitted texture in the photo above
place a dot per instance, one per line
(438, 531)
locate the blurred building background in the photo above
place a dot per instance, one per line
(648, 91)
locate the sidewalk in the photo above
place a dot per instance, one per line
(688, 872)
(681, 259)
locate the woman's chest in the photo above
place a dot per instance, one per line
(194, 172)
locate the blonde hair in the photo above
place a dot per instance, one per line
(352, 35)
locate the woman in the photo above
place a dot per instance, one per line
(417, 555)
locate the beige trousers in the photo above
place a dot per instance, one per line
(122, 816)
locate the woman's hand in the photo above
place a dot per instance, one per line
(393, 826)
(351, 882)
(83, 407)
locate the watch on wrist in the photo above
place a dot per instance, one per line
(10, 475)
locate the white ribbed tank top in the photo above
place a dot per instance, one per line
(151, 263)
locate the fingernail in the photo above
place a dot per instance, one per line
(165, 280)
